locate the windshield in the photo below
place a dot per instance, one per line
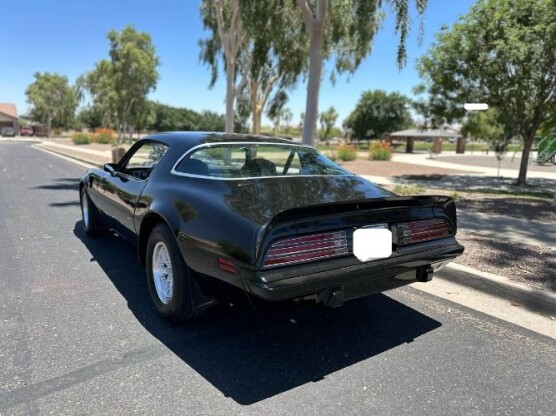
(251, 160)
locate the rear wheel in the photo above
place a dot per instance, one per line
(89, 214)
(169, 279)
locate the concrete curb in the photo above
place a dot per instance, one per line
(19, 140)
(533, 299)
(50, 149)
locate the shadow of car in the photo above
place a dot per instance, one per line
(250, 356)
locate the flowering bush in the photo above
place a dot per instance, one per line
(380, 151)
(346, 152)
(104, 136)
(80, 138)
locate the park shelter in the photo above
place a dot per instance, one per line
(8, 115)
(436, 136)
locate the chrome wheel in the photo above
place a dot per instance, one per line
(162, 273)
(85, 209)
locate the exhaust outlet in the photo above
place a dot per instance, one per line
(424, 274)
(333, 298)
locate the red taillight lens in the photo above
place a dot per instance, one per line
(424, 230)
(308, 248)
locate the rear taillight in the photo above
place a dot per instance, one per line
(423, 230)
(307, 248)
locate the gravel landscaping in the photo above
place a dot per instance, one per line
(525, 208)
(533, 265)
(525, 263)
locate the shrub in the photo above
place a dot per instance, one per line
(408, 190)
(456, 196)
(332, 156)
(80, 138)
(346, 152)
(380, 151)
(104, 136)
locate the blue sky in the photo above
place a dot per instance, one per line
(69, 36)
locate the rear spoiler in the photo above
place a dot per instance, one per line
(441, 205)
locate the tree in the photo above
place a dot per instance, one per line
(484, 125)
(52, 99)
(120, 86)
(263, 50)
(276, 109)
(228, 40)
(433, 111)
(301, 119)
(328, 119)
(278, 56)
(142, 116)
(377, 113)
(287, 117)
(91, 117)
(502, 53)
(487, 125)
(345, 29)
(210, 121)
(167, 118)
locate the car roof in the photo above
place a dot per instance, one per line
(188, 139)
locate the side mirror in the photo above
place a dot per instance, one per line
(110, 168)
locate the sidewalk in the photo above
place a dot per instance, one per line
(424, 159)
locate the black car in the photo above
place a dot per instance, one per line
(273, 218)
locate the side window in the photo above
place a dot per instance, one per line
(293, 164)
(145, 159)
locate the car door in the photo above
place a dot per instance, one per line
(121, 191)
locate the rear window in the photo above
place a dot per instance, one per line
(240, 160)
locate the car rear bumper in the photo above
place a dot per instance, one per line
(352, 279)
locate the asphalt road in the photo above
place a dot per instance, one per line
(78, 334)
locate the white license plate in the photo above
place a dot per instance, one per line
(372, 242)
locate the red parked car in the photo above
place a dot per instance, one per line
(26, 131)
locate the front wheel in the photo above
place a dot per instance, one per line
(168, 277)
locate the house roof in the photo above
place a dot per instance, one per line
(425, 133)
(8, 109)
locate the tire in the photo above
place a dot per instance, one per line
(169, 284)
(89, 214)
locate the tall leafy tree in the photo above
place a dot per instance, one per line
(276, 108)
(52, 99)
(227, 42)
(262, 47)
(503, 52)
(328, 119)
(344, 29)
(484, 125)
(377, 113)
(120, 86)
(278, 52)
(91, 117)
